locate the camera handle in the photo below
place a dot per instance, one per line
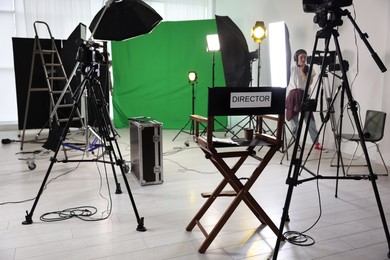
(364, 37)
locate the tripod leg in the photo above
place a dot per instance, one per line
(336, 132)
(296, 161)
(372, 177)
(54, 158)
(30, 214)
(182, 129)
(115, 152)
(106, 132)
(109, 135)
(109, 149)
(292, 180)
(286, 145)
(291, 183)
(116, 159)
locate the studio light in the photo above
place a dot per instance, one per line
(212, 43)
(192, 77)
(213, 46)
(259, 32)
(120, 20)
(280, 54)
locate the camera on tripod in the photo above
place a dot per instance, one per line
(327, 12)
(314, 6)
(89, 56)
(329, 60)
(88, 52)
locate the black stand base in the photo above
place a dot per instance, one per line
(28, 220)
(118, 189)
(141, 226)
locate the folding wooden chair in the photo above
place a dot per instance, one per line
(264, 102)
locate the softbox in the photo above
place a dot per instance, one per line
(234, 52)
(123, 20)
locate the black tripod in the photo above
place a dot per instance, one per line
(192, 129)
(107, 133)
(309, 105)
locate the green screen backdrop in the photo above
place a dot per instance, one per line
(151, 73)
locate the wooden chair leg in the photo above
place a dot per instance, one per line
(206, 205)
(222, 221)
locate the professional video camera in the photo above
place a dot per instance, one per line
(327, 12)
(329, 60)
(314, 6)
(88, 52)
(89, 57)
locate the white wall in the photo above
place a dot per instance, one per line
(371, 87)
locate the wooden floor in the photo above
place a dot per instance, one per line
(349, 226)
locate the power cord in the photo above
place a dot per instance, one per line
(83, 213)
(185, 169)
(298, 238)
(44, 188)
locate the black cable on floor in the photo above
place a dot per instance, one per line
(82, 212)
(44, 188)
(298, 238)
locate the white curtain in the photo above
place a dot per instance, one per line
(180, 10)
(62, 16)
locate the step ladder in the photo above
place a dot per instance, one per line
(57, 83)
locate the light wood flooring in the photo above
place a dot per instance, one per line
(349, 226)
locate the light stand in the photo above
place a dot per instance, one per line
(253, 56)
(309, 105)
(192, 79)
(258, 65)
(213, 69)
(213, 46)
(259, 33)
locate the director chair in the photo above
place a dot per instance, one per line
(266, 103)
